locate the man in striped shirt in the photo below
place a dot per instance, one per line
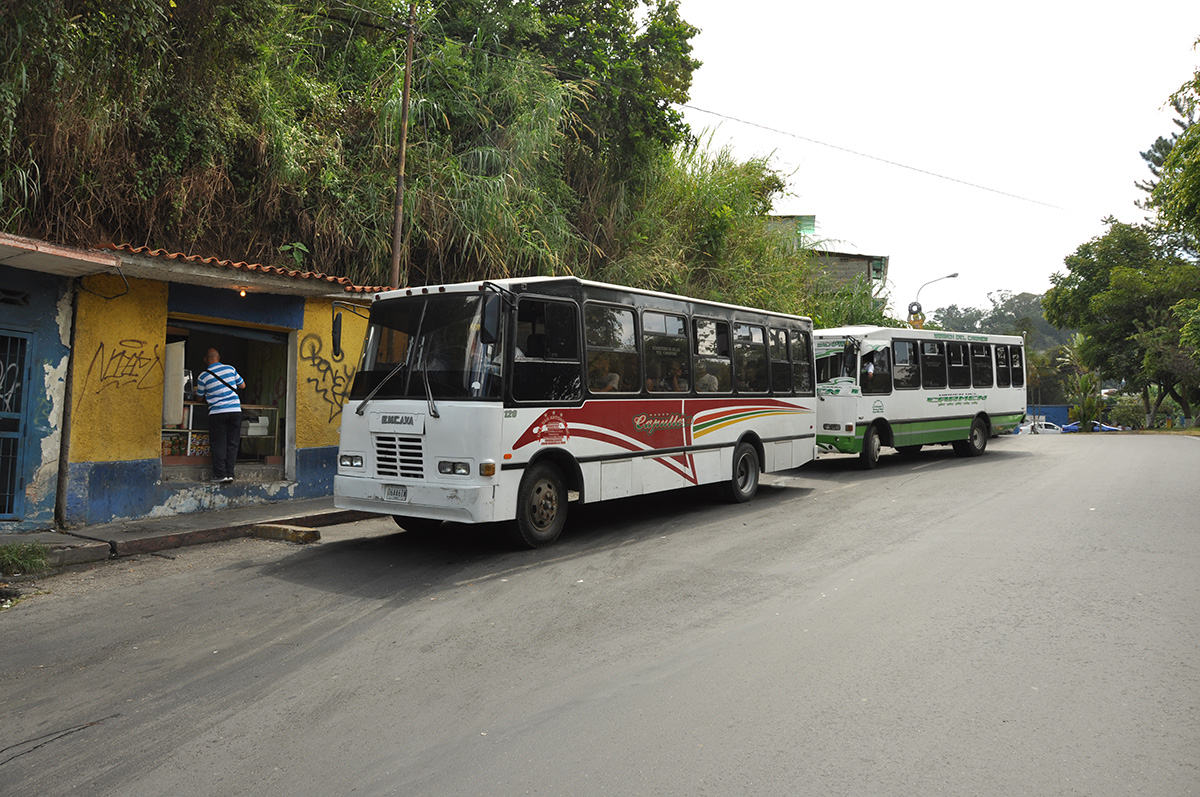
(218, 385)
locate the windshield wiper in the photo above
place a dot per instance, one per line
(433, 411)
(359, 409)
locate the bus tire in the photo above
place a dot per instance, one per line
(868, 458)
(744, 483)
(541, 506)
(976, 444)
(420, 525)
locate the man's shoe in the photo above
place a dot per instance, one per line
(219, 480)
(227, 479)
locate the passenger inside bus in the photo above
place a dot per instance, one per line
(603, 378)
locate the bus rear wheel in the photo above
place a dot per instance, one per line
(541, 506)
(868, 458)
(974, 445)
(744, 484)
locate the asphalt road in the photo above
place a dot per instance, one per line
(1026, 623)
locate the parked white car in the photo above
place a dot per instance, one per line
(1039, 427)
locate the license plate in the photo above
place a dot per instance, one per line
(395, 492)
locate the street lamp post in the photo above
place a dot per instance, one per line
(915, 317)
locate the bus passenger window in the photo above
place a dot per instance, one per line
(664, 342)
(612, 349)
(981, 365)
(875, 373)
(1003, 379)
(781, 369)
(750, 358)
(712, 356)
(1017, 361)
(546, 363)
(802, 367)
(907, 372)
(959, 366)
(933, 365)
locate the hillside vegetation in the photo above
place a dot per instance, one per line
(542, 139)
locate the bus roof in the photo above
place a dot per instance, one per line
(535, 284)
(887, 333)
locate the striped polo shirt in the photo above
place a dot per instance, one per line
(219, 397)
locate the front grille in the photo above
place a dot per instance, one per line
(399, 456)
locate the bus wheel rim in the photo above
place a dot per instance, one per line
(544, 504)
(743, 473)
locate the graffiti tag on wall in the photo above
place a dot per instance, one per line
(333, 377)
(10, 389)
(128, 363)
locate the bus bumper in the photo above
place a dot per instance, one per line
(460, 503)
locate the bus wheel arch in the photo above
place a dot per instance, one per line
(976, 442)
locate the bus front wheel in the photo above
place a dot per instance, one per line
(541, 506)
(974, 445)
(744, 483)
(872, 446)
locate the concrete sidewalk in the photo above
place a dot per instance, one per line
(294, 521)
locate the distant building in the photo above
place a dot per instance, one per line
(842, 267)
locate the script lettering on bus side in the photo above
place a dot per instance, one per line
(650, 424)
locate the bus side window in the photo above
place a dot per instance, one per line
(933, 364)
(612, 349)
(959, 365)
(750, 358)
(1017, 361)
(1003, 378)
(875, 373)
(781, 368)
(981, 365)
(802, 365)
(664, 342)
(712, 356)
(546, 363)
(907, 372)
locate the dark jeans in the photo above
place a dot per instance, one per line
(224, 438)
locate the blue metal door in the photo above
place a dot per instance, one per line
(13, 379)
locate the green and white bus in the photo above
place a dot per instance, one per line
(908, 388)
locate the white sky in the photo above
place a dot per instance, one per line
(1051, 101)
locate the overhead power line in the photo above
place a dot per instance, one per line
(856, 153)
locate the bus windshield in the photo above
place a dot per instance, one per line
(436, 340)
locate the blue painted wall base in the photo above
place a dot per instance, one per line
(104, 492)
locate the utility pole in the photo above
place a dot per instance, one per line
(394, 281)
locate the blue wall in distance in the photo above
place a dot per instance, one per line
(274, 310)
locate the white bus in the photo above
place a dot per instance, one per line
(492, 401)
(907, 388)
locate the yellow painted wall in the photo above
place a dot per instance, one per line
(117, 370)
(322, 380)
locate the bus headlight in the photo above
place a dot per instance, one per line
(350, 461)
(487, 469)
(454, 468)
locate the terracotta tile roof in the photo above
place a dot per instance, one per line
(345, 283)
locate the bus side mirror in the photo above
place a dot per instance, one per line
(337, 335)
(490, 331)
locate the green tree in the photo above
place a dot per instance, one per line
(1083, 384)
(1118, 290)
(1177, 194)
